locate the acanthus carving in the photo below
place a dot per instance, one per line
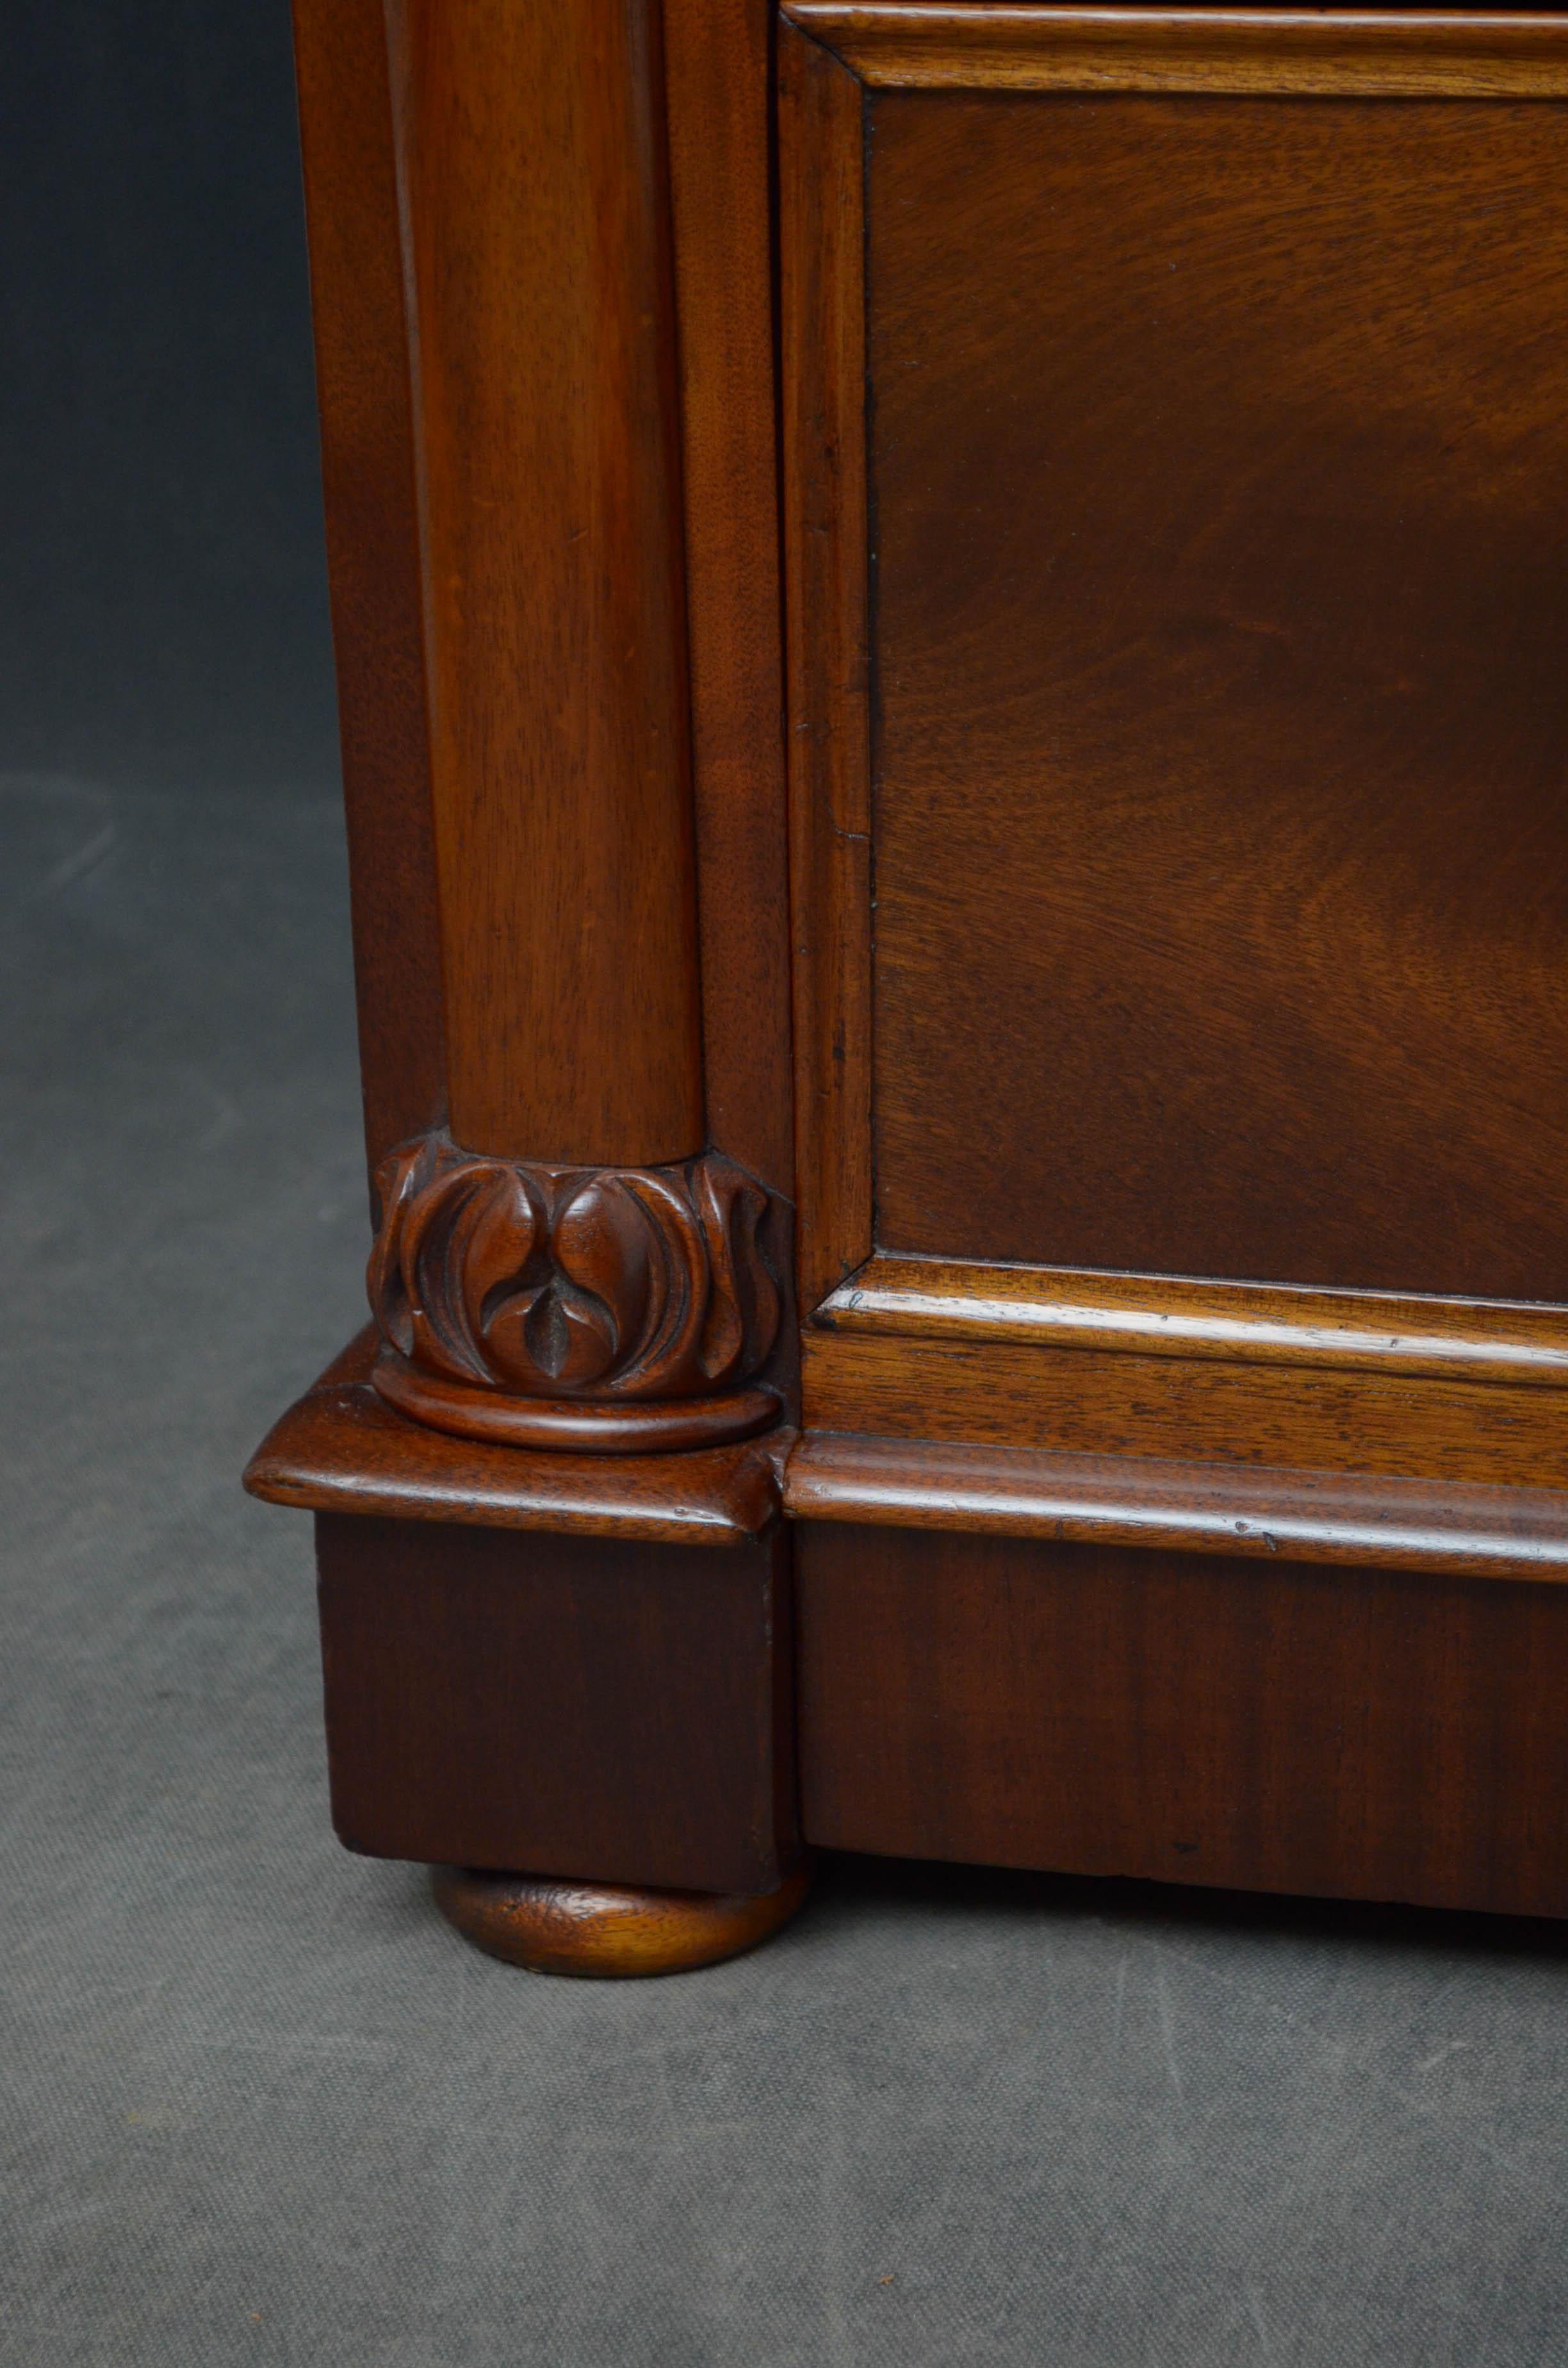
(611, 1309)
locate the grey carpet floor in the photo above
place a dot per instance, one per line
(262, 2106)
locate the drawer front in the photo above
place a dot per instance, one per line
(1177, 484)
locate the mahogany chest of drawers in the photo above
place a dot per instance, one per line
(951, 625)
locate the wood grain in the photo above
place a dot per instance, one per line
(1369, 53)
(372, 535)
(1366, 1734)
(341, 1449)
(1190, 1507)
(1162, 1315)
(1217, 452)
(535, 197)
(597, 1930)
(822, 338)
(718, 72)
(1013, 1394)
(566, 1705)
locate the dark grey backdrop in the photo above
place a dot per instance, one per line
(162, 603)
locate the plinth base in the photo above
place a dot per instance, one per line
(604, 1929)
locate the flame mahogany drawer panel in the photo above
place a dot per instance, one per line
(1220, 471)
(1175, 507)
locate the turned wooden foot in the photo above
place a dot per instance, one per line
(607, 1929)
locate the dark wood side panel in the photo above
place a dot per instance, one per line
(372, 533)
(559, 1705)
(1220, 471)
(1365, 1734)
(717, 74)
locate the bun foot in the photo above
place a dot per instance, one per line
(604, 1929)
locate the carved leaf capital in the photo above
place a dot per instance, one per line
(604, 1284)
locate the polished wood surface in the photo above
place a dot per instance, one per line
(926, 1483)
(821, 269)
(1152, 1366)
(372, 535)
(569, 1262)
(620, 1310)
(1363, 1733)
(597, 1930)
(559, 1704)
(535, 192)
(1012, 1393)
(1385, 52)
(1163, 1316)
(590, 1425)
(718, 62)
(341, 1449)
(1219, 694)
